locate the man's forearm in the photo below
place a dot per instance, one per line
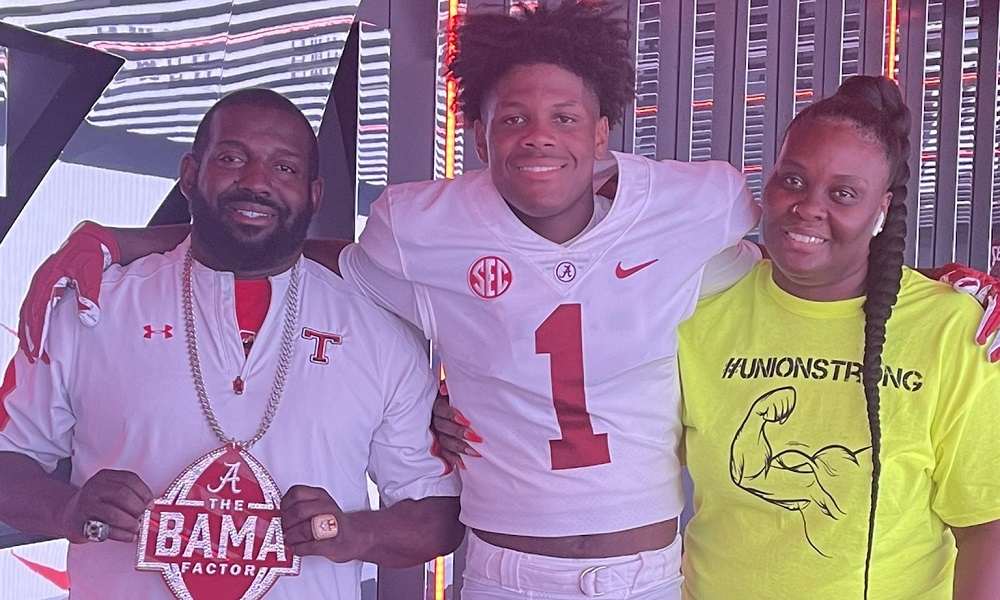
(410, 532)
(30, 499)
(977, 568)
(134, 243)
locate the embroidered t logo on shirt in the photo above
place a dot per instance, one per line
(321, 338)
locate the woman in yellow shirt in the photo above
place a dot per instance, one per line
(840, 420)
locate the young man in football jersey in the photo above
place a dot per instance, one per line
(230, 371)
(553, 308)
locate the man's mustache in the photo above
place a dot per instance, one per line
(231, 196)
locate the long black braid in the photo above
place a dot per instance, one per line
(875, 106)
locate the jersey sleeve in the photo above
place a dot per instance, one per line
(966, 435)
(743, 211)
(36, 416)
(738, 255)
(400, 462)
(375, 267)
(729, 266)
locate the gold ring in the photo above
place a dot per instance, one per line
(324, 527)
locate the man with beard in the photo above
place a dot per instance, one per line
(324, 388)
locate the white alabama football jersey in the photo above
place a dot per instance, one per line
(562, 357)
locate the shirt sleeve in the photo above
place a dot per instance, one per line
(36, 416)
(966, 436)
(400, 462)
(374, 266)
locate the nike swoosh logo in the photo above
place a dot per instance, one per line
(622, 273)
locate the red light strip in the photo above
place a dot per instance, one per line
(929, 156)
(931, 81)
(752, 99)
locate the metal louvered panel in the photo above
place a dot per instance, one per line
(796, 51)
(986, 136)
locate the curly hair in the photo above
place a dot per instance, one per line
(580, 36)
(875, 106)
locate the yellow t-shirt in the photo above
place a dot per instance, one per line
(779, 448)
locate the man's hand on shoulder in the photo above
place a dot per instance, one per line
(984, 288)
(79, 263)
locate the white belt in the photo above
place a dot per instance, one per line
(590, 577)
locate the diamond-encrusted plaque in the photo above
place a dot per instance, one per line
(216, 534)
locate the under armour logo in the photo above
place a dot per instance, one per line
(165, 332)
(321, 338)
(231, 477)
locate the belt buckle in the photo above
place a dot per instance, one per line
(589, 575)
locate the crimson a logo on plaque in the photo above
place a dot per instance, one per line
(216, 534)
(490, 277)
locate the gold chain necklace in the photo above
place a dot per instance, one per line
(284, 357)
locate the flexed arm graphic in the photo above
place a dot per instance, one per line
(793, 477)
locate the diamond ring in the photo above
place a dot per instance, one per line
(96, 531)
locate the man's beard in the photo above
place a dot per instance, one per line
(240, 253)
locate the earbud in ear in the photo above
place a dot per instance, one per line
(879, 223)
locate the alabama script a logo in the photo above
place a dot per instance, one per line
(216, 534)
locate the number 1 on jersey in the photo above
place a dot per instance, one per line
(561, 337)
